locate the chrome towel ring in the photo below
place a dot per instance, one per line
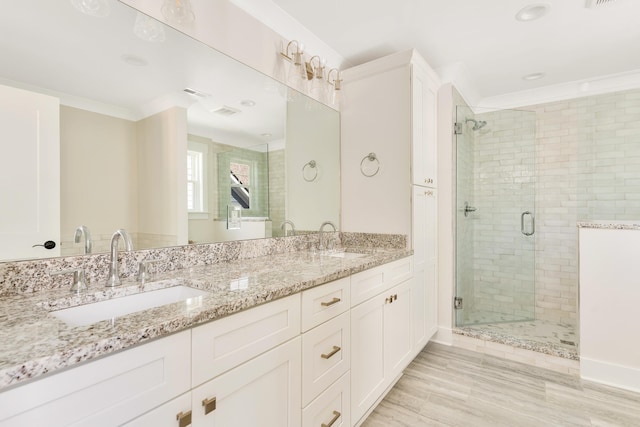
(371, 157)
(313, 166)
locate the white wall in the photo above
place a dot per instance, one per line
(363, 207)
(162, 206)
(609, 298)
(98, 177)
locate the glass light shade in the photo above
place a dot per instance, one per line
(97, 8)
(148, 29)
(178, 11)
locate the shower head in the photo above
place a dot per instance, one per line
(477, 124)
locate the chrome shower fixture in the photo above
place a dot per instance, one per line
(477, 124)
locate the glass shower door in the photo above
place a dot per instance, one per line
(495, 216)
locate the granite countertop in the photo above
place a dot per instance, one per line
(610, 225)
(35, 343)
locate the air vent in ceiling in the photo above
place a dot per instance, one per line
(226, 111)
(592, 4)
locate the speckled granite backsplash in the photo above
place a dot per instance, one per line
(33, 275)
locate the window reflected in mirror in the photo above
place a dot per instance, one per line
(240, 178)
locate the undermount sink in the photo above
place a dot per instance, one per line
(94, 312)
(345, 255)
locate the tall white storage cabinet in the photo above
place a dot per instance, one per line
(390, 110)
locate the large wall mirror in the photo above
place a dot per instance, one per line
(111, 120)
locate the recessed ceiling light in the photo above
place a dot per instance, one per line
(265, 135)
(134, 60)
(248, 103)
(532, 12)
(534, 76)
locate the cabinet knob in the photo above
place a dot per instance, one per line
(331, 353)
(184, 419)
(333, 301)
(209, 405)
(336, 415)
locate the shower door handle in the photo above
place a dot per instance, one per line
(533, 223)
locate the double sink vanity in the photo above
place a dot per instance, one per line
(285, 338)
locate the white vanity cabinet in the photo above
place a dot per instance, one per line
(105, 392)
(324, 356)
(381, 332)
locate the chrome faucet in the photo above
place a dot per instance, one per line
(283, 227)
(83, 230)
(321, 244)
(114, 276)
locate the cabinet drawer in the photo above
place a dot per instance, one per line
(326, 352)
(370, 283)
(104, 392)
(223, 344)
(332, 404)
(324, 302)
(165, 415)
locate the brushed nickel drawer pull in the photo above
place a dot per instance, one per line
(184, 419)
(334, 351)
(209, 405)
(335, 300)
(336, 415)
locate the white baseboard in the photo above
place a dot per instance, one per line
(610, 374)
(443, 336)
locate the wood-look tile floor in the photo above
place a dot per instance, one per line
(449, 386)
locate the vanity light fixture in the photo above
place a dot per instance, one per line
(97, 8)
(337, 81)
(297, 70)
(532, 12)
(178, 12)
(336, 94)
(315, 71)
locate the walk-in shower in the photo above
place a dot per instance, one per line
(496, 237)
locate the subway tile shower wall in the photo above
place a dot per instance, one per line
(586, 166)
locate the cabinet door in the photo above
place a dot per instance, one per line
(367, 355)
(423, 127)
(105, 392)
(264, 392)
(171, 414)
(29, 173)
(397, 330)
(425, 259)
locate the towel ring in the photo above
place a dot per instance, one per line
(372, 158)
(311, 164)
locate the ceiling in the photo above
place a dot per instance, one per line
(482, 39)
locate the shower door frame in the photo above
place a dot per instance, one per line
(495, 242)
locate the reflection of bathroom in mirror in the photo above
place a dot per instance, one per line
(130, 114)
